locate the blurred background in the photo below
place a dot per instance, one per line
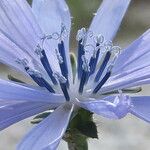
(127, 134)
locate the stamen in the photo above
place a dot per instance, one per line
(81, 36)
(83, 81)
(34, 76)
(103, 66)
(99, 39)
(63, 84)
(37, 77)
(59, 57)
(57, 36)
(24, 62)
(64, 32)
(60, 53)
(45, 63)
(104, 79)
(85, 74)
(54, 36)
(108, 45)
(94, 59)
(116, 50)
(63, 63)
(80, 53)
(85, 65)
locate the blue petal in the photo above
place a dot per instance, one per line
(99, 107)
(18, 26)
(47, 134)
(21, 92)
(107, 21)
(9, 57)
(132, 66)
(50, 15)
(129, 79)
(108, 18)
(141, 107)
(17, 36)
(12, 112)
(112, 107)
(135, 56)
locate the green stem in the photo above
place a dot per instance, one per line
(77, 141)
(78, 146)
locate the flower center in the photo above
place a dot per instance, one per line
(89, 69)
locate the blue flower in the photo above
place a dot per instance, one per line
(35, 41)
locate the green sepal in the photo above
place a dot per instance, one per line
(83, 122)
(129, 91)
(11, 78)
(37, 119)
(29, 1)
(80, 128)
(88, 129)
(81, 116)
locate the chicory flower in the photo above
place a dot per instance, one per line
(35, 41)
